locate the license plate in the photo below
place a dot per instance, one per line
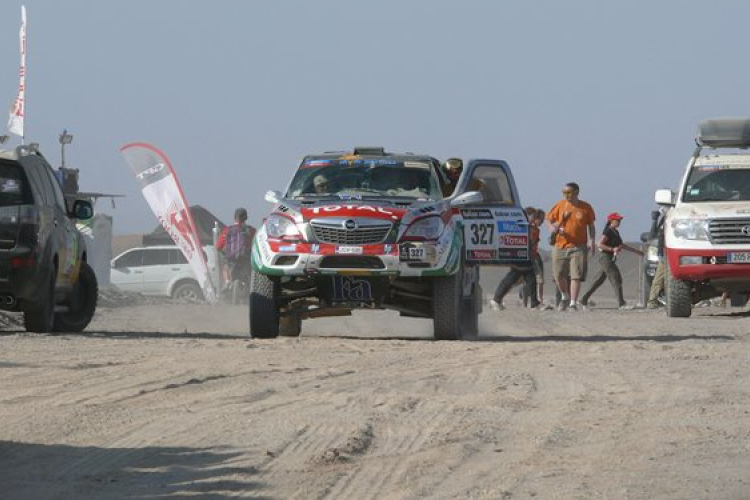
(349, 250)
(416, 253)
(739, 258)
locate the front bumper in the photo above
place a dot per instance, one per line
(438, 258)
(706, 265)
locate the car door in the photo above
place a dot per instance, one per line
(66, 227)
(496, 230)
(157, 271)
(127, 271)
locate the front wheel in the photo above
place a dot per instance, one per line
(446, 306)
(189, 291)
(679, 296)
(263, 312)
(81, 304)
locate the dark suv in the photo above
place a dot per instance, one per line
(43, 269)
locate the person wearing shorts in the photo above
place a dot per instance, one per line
(571, 220)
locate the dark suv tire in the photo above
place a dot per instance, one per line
(39, 317)
(81, 303)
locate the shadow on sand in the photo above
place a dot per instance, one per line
(29, 470)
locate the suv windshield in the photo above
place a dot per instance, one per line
(363, 177)
(718, 183)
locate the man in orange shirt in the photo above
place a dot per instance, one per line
(571, 220)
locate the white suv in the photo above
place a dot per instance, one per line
(160, 271)
(707, 233)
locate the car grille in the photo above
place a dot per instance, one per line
(730, 231)
(364, 235)
(351, 262)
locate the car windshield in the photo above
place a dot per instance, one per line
(362, 177)
(718, 183)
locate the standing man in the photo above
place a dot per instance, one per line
(571, 221)
(236, 243)
(657, 231)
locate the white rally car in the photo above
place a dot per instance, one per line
(371, 229)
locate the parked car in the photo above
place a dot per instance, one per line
(160, 271)
(707, 230)
(369, 229)
(43, 268)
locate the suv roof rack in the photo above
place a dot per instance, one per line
(369, 151)
(724, 133)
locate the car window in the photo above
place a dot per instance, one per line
(156, 257)
(41, 189)
(130, 259)
(54, 186)
(493, 183)
(177, 257)
(14, 190)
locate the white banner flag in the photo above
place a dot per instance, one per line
(18, 109)
(163, 193)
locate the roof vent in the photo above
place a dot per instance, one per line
(369, 151)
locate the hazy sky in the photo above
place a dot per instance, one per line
(604, 93)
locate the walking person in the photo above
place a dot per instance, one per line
(657, 284)
(610, 244)
(236, 242)
(526, 273)
(571, 223)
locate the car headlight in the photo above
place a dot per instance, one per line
(280, 227)
(690, 229)
(427, 228)
(652, 253)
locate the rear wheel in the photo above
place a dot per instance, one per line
(263, 312)
(81, 304)
(679, 296)
(40, 316)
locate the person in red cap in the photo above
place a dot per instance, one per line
(609, 245)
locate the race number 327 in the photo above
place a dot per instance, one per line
(482, 234)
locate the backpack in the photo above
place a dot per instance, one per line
(237, 246)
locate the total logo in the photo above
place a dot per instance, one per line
(351, 208)
(150, 171)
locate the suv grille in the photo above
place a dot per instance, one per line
(730, 231)
(363, 235)
(351, 262)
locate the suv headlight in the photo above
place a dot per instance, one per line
(282, 228)
(427, 228)
(652, 253)
(690, 229)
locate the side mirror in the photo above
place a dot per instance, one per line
(82, 210)
(664, 197)
(273, 196)
(467, 198)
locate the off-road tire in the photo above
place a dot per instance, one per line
(472, 306)
(290, 326)
(81, 303)
(446, 306)
(40, 317)
(679, 296)
(188, 291)
(263, 312)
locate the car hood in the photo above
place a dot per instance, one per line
(375, 209)
(712, 210)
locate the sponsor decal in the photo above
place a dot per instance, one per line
(415, 164)
(349, 250)
(482, 254)
(504, 253)
(351, 289)
(476, 214)
(504, 226)
(288, 248)
(358, 209)
(315, 248)
(514, 240)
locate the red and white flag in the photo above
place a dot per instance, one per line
(163, 193)
(18, 109)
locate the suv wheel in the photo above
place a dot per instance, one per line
(40, 317)
(81, 304)
(679, 296)
(446, 306)
(263, 314)
(189, 291)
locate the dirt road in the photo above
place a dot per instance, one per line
(172, 401)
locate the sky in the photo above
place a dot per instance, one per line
(235, 93)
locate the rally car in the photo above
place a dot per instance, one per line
(372, 229)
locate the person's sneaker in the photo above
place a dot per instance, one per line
(626, 307)
(654, 305)
(563, 306)
(544, 307)
(573, 307)
(496, 306)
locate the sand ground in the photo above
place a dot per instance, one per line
(165, 400)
